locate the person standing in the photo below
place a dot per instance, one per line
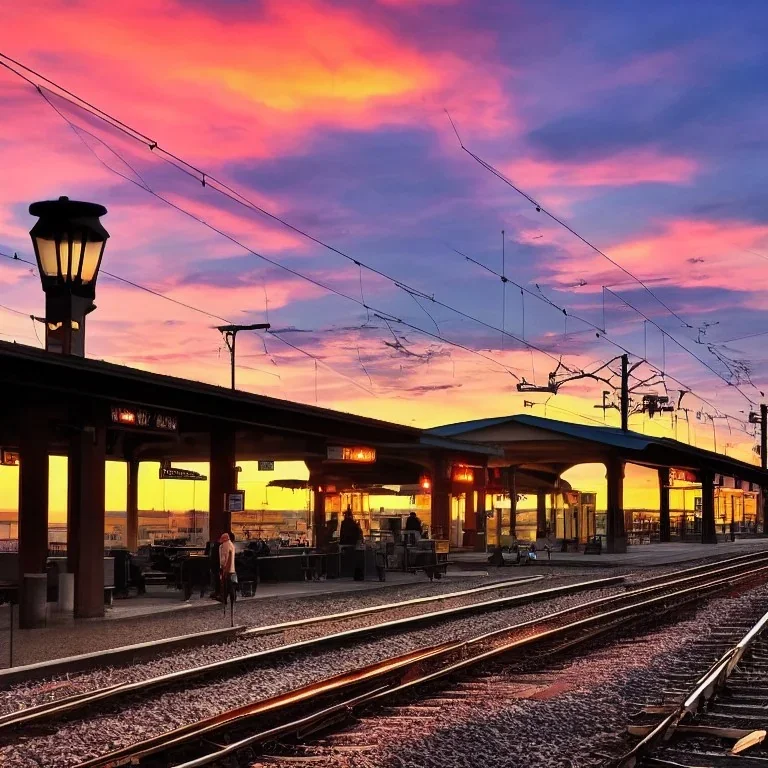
(227, 568)
(413, 523)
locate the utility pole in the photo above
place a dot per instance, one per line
(625, 392)
(764, 435)
(230, 337)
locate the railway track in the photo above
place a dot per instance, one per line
(716, 717)
(137, 652)
(302, 712)
(121, 692)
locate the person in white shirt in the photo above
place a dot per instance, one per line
(227, 567)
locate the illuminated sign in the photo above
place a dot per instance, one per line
(357, 454)
(168, 472)
(266, 466)
(462, 474)
(235, 501)
(140, 418)
(9, 458)
(683, 475)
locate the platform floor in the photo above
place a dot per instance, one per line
(638, 556)
(161, 600)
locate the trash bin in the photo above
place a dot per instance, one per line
(66, 592)
(34, 600)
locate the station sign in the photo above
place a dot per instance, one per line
(168, 472)
(235, 501)
(9, 458)
(357, 454)
(683, 475)
(143, 419)
(266, 466)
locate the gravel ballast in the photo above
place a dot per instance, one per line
(573, 717)
(100, 733)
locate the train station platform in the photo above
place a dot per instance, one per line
(636, 556)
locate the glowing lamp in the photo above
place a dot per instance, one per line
(425, 483)
(462, 474)
(69, 242)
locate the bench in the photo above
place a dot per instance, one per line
(594, 546)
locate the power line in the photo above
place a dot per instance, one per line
(228, 192)
(541, 209)
(207, 180)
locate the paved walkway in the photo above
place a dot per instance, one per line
(639, 556)
(162, 600)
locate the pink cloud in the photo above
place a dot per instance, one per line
(222, 87)
(638, 166)
(684, 253)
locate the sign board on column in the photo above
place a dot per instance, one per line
(9, 458)
(235, 501)
(266, 466)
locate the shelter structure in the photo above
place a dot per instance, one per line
(90, 410)
(539, 449)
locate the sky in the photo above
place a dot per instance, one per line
(639, 126)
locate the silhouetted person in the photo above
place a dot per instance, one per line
(413, 523)
(350, 532)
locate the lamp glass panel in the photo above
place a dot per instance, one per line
(91, 260)
(68, 269)
(47, 250)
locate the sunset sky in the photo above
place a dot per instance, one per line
(640, 125)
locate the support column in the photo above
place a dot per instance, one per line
(33, 495)
(614, 519)
(708, 532)
(481, 520)
(513, 502)
(664, 526)
(85, 519)
(132, 512)
(318, 516)
(541, 515)
(470, 519)
(223, 480)
(441, 501)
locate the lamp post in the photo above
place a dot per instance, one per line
(230, 337)
(69, 241)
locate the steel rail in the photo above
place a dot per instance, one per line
(271, 629)
(68, 705)
(704, 689)
(404, 665)
(698, 568)
(60, 707)
(129, 653)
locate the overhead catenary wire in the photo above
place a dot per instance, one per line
(209, 181)
(541, 209)
(603, 334)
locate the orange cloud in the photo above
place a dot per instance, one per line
(623, 169)
(246, 85)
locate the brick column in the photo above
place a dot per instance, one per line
(664, 527)
(223, 480)
(441, 501)
(33, 495)
(132, 511)
(614, 522)
(85, 519)
(708, 533)
(541, 515)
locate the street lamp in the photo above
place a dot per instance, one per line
(69, 242)
(230, 337)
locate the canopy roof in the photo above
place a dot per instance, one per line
(536, 442)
